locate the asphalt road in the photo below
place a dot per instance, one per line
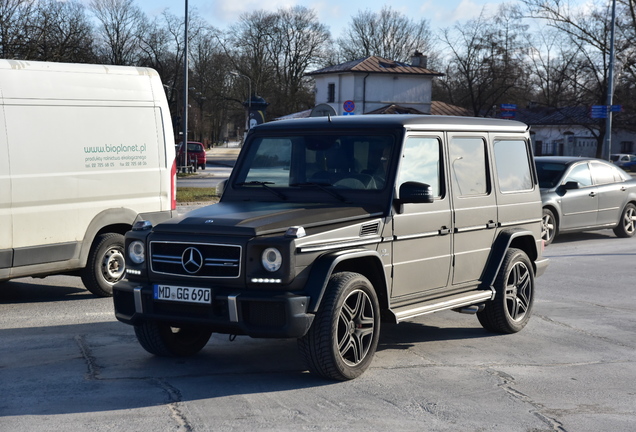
(67, 364)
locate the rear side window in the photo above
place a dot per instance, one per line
(469, 166)
(513, 166)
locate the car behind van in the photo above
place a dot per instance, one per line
(85, 152)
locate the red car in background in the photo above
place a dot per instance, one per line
(194, 149)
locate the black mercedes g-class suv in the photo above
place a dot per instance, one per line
(329, 226)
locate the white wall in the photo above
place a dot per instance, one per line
(376, 91)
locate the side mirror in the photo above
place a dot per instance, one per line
(571, 185)
(415, 193)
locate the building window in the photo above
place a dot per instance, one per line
(627, 147)
(331, 92)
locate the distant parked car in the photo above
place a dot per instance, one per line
(582, 194)
(194, 148)
(625, 161)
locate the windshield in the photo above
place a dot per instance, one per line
(550, 174)
(338, 161)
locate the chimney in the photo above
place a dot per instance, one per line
(419, 60)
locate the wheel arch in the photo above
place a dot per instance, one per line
(118, 221)
(517, 238)
(363, 261)
(557, 216)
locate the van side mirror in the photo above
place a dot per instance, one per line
(415, 193)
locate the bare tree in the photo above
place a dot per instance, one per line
(487, 62)
(588, 31)
(388, 34)
(15, 15)
(60, 31)
(298, 42)
(120, 23)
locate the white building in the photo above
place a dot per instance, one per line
(372, 83)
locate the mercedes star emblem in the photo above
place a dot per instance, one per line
(192, 260)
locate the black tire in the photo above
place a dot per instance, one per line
(344, 335)
(548, 226)
(511, 308)
(105, 265)
(163, 340)
(627, 223)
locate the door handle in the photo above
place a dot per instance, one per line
(491, 224)
(623, 188)
(444, 230)
(592, 194)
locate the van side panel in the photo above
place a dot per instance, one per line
(81, 140)
(6, 235)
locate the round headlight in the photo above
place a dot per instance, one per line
(137, 252)
(271, 259)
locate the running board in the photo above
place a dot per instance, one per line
(452, 302)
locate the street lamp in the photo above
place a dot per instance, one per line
(249, 98)
(607, 147)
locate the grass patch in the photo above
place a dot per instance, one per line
(195, 194)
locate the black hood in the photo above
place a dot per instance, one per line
(259, 218)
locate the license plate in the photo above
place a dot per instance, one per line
(183, 294)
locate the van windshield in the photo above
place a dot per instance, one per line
(339, 161)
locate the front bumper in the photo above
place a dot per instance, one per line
(256, 314)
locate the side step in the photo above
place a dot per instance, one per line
(453, 302)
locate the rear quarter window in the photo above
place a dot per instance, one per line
(513, 165)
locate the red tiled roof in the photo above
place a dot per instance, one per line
(375, 64)
(443, 108)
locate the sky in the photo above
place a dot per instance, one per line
(335, 14)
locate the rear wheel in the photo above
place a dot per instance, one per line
(344, 335)
(627, 223)
(105, 265)
(164, 340)
(511, 308)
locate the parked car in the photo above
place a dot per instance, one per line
(582, 194)
(625, 161)
(194, 149)
(329, 226)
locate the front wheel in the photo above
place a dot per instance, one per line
(548, 226)
(105, 265)
(344, 335)
(164, 340)
(627, 223)
(511, 308)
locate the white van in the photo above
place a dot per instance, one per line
(85, 152)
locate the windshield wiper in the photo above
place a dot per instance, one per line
(265, 185)
(322, 187)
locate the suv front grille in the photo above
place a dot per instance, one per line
(195, 259)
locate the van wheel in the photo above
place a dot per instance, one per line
(163, 340)
(627, 223)
(105, 265)
(344, 335)
(510, 311)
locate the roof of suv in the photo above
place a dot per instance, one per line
(408, 121)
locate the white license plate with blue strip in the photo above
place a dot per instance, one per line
(183, 294)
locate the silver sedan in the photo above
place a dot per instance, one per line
(582, 194)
